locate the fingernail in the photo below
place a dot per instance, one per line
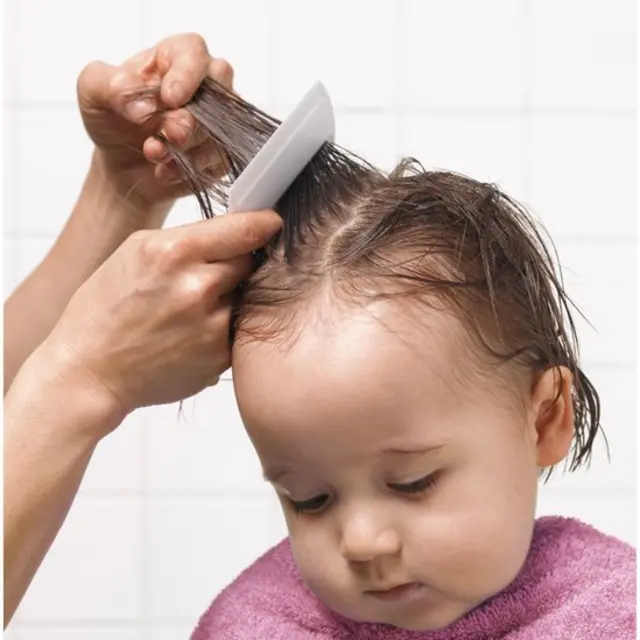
(140, 109)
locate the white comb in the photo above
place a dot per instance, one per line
(285, 154)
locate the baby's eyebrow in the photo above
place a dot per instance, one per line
(414, 449)
(272, 475)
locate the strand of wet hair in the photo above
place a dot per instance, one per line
(239, 129)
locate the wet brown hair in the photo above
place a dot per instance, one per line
(436, 237)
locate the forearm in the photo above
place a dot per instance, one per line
(101, 220)
(51, 428)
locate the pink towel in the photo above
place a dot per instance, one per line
(576, 583)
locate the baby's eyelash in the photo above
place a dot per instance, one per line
(318, 503)
(313, 505)
(417, 486)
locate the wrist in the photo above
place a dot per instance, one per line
(53, 383)
(116, 203)
(102, 219)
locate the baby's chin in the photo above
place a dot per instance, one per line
(419, 617)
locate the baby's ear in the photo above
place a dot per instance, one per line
(551, 415)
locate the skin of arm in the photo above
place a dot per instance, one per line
(51, 442)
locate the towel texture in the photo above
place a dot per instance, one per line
(576, 583)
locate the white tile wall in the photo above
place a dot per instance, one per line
(598, 276)
(28, 251)
(238, 31)
(9, 188)
(488, 147)
(93, 571)
(582, 53)
(582, 171)
(204, 449)
(351, 46)
(185, 211)
(372, 136)
(8, 264)
(461, 53)
(613, 512)
(53, 41)
(194, 551)
(617, 471)
(42, 134)
(125, 445)
(537, 95)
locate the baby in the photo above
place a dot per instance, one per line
(405, 364)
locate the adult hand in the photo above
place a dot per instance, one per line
(151, 326)
(126, 187)
(120, 128)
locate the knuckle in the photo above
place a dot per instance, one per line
(196, 41)
(138, 239)
(118, 84)
(169, 249)
(223, 71)
(135, 248)
(217, 281)
(223, 68)
(143, 244)
(194, 290)
(156, 247)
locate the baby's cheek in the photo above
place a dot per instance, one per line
(310, 550)
(319, 562)
(480, 553)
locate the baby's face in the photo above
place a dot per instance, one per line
(409, 490)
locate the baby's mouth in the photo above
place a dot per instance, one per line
(397, 593)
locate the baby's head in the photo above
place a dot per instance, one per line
(405, 376)
(405, 364)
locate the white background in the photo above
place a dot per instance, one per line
(538, 96)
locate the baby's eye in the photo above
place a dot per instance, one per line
(417, 486)
(313, 505)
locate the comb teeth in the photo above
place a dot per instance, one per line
(285, 154)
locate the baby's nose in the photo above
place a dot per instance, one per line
(364, 540)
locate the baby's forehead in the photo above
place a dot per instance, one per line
(370, 366)
(399, 338)
(401, 326)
